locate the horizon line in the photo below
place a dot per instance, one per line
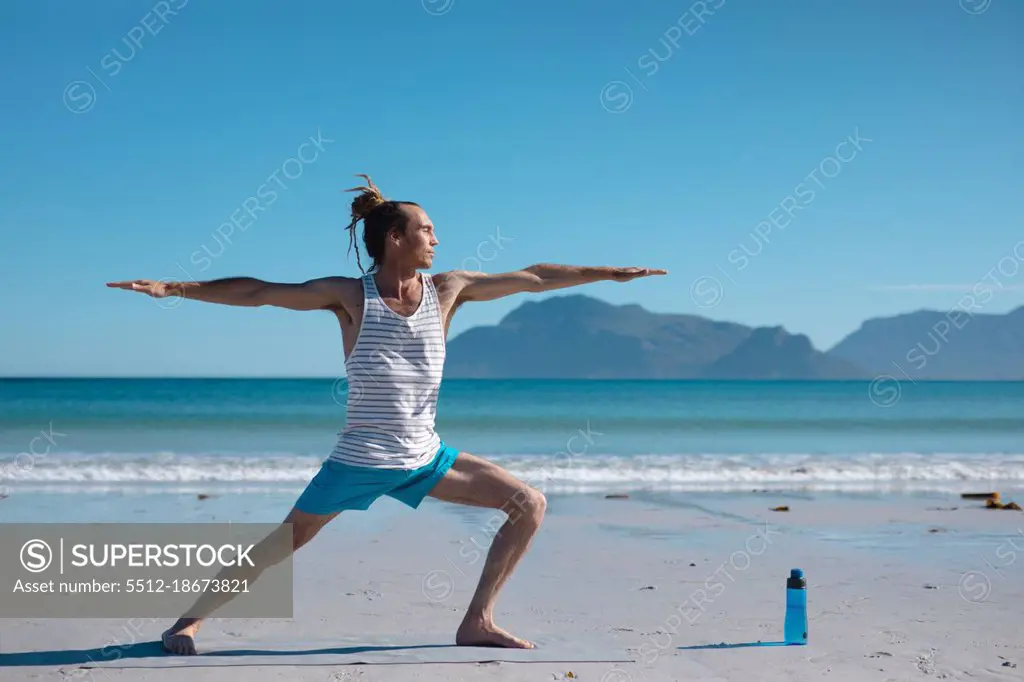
(334, 378)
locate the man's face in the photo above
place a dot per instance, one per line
(417, 243)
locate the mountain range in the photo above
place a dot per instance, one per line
(578, 336)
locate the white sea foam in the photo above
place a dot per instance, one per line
(589, 473)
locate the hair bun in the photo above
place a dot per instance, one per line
(368, 199)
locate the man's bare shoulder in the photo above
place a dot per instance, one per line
(346, 290)
(450, 280)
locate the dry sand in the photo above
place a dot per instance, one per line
(900, 588)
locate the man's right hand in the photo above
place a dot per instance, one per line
(153, 288)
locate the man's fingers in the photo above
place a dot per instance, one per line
(136, 285)
(644, 271)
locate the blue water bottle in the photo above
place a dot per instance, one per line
(796, 608)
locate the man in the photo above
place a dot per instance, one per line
(394, 322)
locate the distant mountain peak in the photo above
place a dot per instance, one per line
(579, 336)
(954, 344)
(774, 353)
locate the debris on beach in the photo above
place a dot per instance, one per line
(203, 496)
(1007, 664)
(980, 496)
(649, 587)
(992, 501)
(783, 508)
(996, 504)
(936, 530)
(930, 587)
(616, 496)
(692, 564)
(941, 509)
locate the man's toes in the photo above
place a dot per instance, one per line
(181, 645)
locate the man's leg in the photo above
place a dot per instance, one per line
(180, 638)
(475, 481)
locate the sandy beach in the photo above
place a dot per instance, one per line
(685, 585)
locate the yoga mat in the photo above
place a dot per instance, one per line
(366, 650)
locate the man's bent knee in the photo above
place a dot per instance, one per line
(538, 503)
(527, 503)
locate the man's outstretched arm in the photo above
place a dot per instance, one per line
(316, 294)
(480, 286)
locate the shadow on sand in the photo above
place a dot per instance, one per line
(142, 650)
(739, 645)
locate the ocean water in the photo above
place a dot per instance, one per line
(65, 439)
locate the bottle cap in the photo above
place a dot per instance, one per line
(796, 573)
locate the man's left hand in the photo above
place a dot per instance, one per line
(627, 274)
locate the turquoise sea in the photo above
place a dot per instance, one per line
(70, 437)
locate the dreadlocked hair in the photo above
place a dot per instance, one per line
(379, 216)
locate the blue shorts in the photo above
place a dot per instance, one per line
(338, 486)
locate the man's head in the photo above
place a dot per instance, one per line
(398, 232)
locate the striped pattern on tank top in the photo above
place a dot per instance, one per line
(394, 376)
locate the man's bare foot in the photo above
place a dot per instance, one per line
(180, 640)
(481, 633)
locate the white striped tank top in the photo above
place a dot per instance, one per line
(394, 376)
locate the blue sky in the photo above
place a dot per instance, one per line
(675, 135)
